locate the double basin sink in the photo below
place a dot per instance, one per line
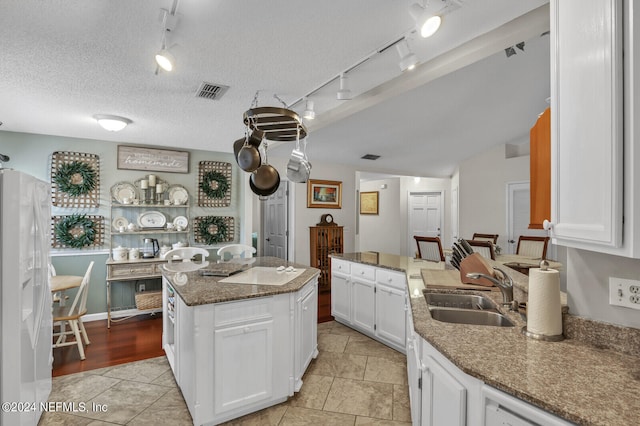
(465, 309)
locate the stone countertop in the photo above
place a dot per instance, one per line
(573, 379)
(195, 289)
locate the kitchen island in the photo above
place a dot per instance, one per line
(483, 372)
(241, 343)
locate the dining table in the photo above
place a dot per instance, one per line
(60, 283)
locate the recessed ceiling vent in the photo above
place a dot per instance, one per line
(370, 157)
(211, 91)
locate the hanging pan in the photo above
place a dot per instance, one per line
(248, 157)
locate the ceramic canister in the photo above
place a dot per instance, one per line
(164, 250)
(120, 253)
(134, 253)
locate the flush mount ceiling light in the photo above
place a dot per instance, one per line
(344, 94)
(426, 23)
(309, 113)
(112, 123)
(408, 59)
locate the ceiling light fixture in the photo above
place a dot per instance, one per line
(165, 59)
(112, 123)
(309, 112)
(426, 23)
(344, 94)
(408, 59)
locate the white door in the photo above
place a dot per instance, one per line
(275, 222)
(425, 217)
(518, 205)
(454, 214)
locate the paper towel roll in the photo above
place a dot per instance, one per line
(544, 313)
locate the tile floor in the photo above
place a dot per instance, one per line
(354, 381)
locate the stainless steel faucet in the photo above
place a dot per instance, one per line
(505, 285)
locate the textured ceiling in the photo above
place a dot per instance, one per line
(64, 61)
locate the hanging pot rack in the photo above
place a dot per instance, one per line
(278, 124)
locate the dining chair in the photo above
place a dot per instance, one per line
(187, 254)
(72, 315)
(484, 247)
(535, 247)
(236, 251)
(486, 237)
(429, 248)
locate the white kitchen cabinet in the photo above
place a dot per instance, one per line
(363, 299)
(593, 203)
(414, 372)
(306, 325)
(371, 300)
(341, 297)
(444, 399)
(503, 409)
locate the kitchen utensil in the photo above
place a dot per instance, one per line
(298, 168)
(465, 245)
(150, 248)
(248, 157)
(152, 219)
(178, 195)
(263, 192)
(266, 178)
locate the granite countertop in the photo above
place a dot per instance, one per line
(578, 380)
(195, 289)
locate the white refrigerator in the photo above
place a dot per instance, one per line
(25, 297)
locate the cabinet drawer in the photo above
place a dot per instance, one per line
(338, 265)
(132, 270)
(392, 279)
(363, 271)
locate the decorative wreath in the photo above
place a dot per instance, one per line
(75, 231)
(221, 184)
(75, 178)
(212, 229)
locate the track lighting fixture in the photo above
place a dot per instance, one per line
(408, 59)
(426, 23)
(164, 58)
(112, 123)
(344, 94)
(309, 113)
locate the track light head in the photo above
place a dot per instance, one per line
(426, 23)
(408, 59)
(344, 94)
(165, 60)
(309, 113)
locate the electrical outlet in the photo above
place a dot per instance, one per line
(624, 292)
(141, 288)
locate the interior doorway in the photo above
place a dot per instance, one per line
(518, 202)
(425, 217)
(275, 223)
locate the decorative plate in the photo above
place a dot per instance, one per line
(152, 219)
(178, 194)
(181, 221)
(119, 221)
(123, 190)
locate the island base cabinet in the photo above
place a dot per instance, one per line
(391, 307)
(306, 346)
(341, 297)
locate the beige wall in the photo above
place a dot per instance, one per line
(382, 232)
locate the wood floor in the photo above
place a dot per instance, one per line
(135, 339)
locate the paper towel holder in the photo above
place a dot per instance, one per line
(544, 265)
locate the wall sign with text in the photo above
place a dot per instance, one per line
(152, 159)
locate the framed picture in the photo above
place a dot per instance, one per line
(152, 159)
(325, 194)
(369, 202)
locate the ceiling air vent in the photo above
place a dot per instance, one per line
(211, 91)
(370, 157)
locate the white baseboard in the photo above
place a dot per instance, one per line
(117, 314)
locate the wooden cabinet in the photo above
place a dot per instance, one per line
(325, 240)
(587, 95)
(540, 171)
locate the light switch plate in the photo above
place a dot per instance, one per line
(624, 292)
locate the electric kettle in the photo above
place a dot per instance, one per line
(150, 248)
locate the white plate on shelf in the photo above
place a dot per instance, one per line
(122, 190)
(152, 219)
(178, 195)
(181, 221)
(119, 221)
